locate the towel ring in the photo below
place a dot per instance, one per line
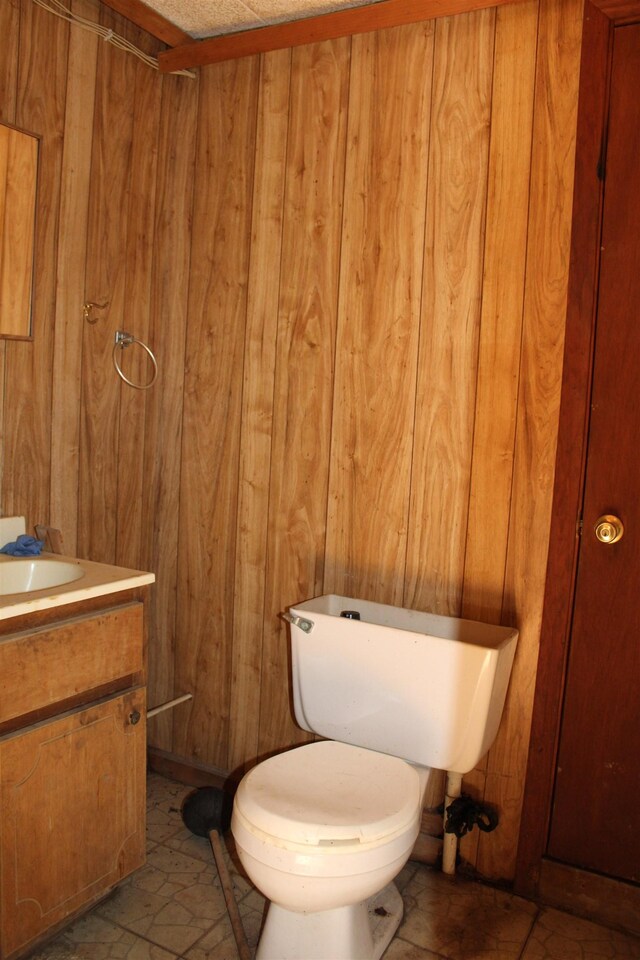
(124, 340)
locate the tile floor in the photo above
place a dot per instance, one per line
(174, 908)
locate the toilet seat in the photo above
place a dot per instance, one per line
(330, 796)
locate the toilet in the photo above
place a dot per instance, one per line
(323, 829)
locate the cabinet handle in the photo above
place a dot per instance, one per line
(134, 717)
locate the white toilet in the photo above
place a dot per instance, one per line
(323, 829)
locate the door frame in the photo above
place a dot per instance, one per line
(600, 18)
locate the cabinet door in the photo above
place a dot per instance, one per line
(72, 821)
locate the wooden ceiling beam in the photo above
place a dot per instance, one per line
(187, 52)
(328, 26)
(619, 10)
(151, 21)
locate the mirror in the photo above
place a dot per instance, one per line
(18, 181)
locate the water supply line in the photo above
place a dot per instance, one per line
(449, 840)
(168, 705)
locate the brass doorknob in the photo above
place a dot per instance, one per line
(609, 529)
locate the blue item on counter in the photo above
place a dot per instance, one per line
(24, 546)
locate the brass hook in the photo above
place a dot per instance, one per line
(88, 308)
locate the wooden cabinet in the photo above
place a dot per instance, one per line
(72, 774)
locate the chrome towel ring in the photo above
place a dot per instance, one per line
(124, 340)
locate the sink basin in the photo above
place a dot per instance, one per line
(27, 574)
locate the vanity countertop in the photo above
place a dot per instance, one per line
(98, 580)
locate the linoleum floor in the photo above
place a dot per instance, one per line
(173, 909)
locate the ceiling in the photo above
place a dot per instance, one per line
(206, 18)
(201, 32)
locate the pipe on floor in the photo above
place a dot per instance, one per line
(450, 841)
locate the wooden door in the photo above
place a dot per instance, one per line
(595, 821)
(72, 814)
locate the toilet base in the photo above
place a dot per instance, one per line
(360, 932)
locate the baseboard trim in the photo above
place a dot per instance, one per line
(590, 895)
(185, 770)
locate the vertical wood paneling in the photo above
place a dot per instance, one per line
(501, 317)
(136, 315)
(212, 404)
(376, 352)
(304, 363)
(257, 404)
(27, 428)
(70, 278)
(105, 284)
(500, 330)
(163, 422)
(10, 32)
(450, 311)
(327, 254)
(554, 126)
(449, 319)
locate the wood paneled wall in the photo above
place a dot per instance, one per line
(351, 262)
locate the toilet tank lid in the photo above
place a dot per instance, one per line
(329, 794)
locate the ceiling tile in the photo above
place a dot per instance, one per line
(207, 18)
(275, 10)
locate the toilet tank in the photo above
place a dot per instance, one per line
(420, 686)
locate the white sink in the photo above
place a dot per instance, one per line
(26, 574)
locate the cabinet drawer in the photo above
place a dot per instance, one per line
(42, 667)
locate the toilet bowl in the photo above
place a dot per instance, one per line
(320, 830)
(323, 829)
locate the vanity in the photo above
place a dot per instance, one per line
(72, 743)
